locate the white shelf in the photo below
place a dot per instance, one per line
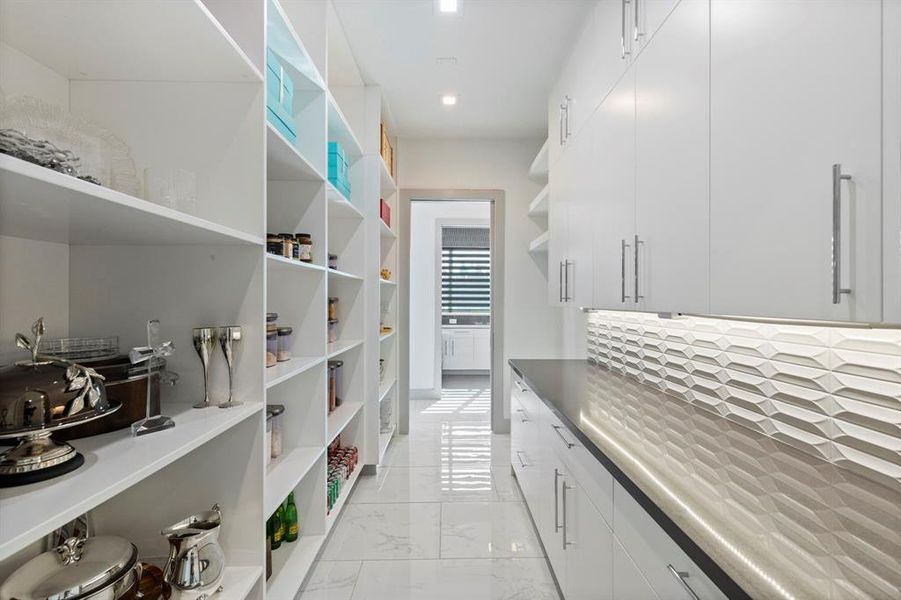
(339, 205)
(342, 499)
(123, 41)
(340, 418)
(386, 336)
(539, 168)
(237, 582)
(41, 204)
(282, 264)
(388, 283)
(284, 162)
(113, 462)
(285, 472)
(284, 41)
(385, 387)
(290, 564)
(538, 206)
(339, 130)
(386, 231)
(385, 440)
(539, 244)
(344, 275)
(342, 346)
(283, 371)
(388, 185)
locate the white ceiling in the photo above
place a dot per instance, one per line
(508, 53)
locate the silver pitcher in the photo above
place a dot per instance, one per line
(196, 561)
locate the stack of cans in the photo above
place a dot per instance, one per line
(341, 463)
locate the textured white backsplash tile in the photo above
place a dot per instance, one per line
(832, 392)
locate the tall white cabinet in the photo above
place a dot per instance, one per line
(732, 161)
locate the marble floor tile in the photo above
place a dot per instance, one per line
(332, 580)
(493, 579)
(449, 483)
(385, 531)
(487, 530)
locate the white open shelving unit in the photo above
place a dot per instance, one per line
(540, 205)
(130, 260)
(388, 346)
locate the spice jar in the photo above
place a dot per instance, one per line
(334, 382)
(304, 247)
(285, 342)
(271, 347)
(332, 331)
(276, 445)
(333, 261)
(332, 309)
(275, 244)
(289, 245)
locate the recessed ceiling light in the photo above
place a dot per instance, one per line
(447, 6)
(448, 100)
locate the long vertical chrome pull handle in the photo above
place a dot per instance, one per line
(622, 267)
(623, 4)
(638, 242)
(566, 296)
(682, 576)
(567, 100)
(560, 281)
(566, 542)
(556, 502)
(637, 33)
(560, 130)
(837, 178)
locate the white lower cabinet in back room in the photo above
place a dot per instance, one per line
(795, 106)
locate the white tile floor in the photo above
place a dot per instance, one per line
(443, 520)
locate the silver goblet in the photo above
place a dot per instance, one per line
(204, 342)
(230, 341)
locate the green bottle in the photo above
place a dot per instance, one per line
(278, 528)
(292, 527)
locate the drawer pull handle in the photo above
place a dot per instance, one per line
(524, 416)
(682, 576)
(521, 461)
(565, 441)
(566, 540)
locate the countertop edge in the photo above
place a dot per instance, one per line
(710, 567)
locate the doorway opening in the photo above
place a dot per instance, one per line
(451, 288)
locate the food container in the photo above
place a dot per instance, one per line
(333, 261)
(333, 309)
(334, 384)
(289, 248)
(274, 417)
(285, 343)
(304, 247)
(332, 331)
(275, 244)
(271, 347)
(381, 370)
(96, 568)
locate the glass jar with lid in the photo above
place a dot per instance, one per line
(285, 343)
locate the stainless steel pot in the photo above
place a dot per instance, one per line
(96, 568)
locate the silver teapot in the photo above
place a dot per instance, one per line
(196, 561)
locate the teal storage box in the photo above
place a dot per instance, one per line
(337, 168)
(280, 97)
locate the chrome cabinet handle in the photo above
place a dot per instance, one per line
(638, 33)
(622, 268)
(566, 296)
(623, 4)
(682, 576)
(638, 242)
(565, 441)
(521, 461)
(557, 475)
(837, 178)
(562, 126)
(566, 542)
(522, 387)
(525, 416)
(560, 282)
(567, 101)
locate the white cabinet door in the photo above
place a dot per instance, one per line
(446, 356)
(613, 128)
(648, 17)
(891, 160)
(582, 205)
(589, 547)
(628, 582)
(459, 349)
(482, 349)
(795, 90)
(612, 19)
(672, 167)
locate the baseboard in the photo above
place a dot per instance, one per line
(425, 394)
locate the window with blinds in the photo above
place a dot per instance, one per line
(465, 271)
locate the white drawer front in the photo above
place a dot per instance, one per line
(656, 554)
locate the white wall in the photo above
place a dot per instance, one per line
(425, 245)
(530, 326)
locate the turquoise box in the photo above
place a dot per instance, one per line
(280, 97)
(337, 168)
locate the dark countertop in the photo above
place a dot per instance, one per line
(755, 514)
